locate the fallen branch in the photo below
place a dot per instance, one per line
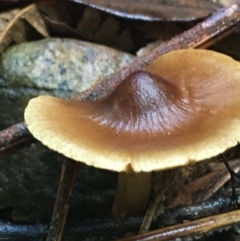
(15, 138)
(65, 188)
(191, 228)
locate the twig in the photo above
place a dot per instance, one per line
(21, 232)
(190, 228)
(14, 138)
(213, 206)
(61, 206)
(13, 134)
(220, 180)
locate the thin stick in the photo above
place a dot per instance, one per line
(14, 138)
(66, 206)
(190, 228)
(61, 206)
(13, 133)
(218, 182)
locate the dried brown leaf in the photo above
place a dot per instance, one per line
(18, 29)
(6, 17)
(85, 23)
(174, 10)
(14, 2)
(205, 186)
(190, 192)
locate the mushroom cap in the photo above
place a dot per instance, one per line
(149, 122)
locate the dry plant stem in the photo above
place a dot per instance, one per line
(14, 138)
(221, 179)
(223, 35)
(17, 25)
(13, 133)
(72, 174)
(61, 206)
(190, 228)
(203, 32)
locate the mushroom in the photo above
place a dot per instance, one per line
(182, 109)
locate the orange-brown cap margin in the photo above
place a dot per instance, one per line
(210, 85)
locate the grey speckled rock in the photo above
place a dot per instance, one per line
(58, 67)
(29, 178)
(61, 64)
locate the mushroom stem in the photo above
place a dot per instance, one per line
(132, 193)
